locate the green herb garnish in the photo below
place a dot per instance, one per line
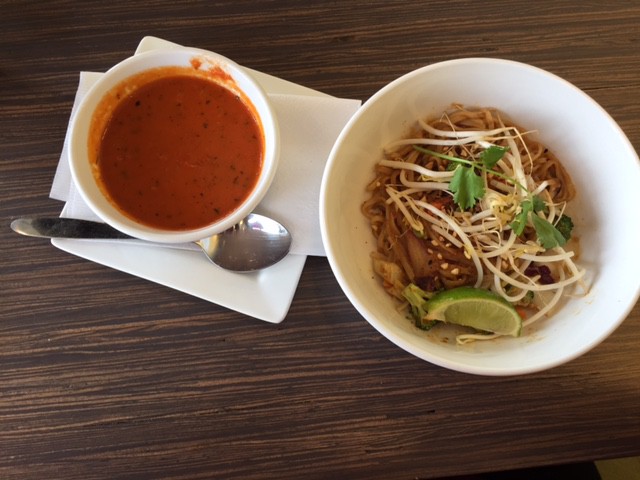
(534, 204)
(548, 235)
(492, 155)
(467, 186)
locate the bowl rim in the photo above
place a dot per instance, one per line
(371, 317)
(93, 195)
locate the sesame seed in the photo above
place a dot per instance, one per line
(455, 271)
(444, 265)
(439, 256)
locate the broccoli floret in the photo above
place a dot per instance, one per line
(527, 299)
(565, 226)
(417, 299)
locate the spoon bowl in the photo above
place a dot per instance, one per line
(255, 243)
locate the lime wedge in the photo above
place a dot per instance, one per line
(475, 308)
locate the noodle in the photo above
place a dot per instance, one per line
(426, 238)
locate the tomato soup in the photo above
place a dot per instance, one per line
(177, 151)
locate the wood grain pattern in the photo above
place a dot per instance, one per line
(107, 376)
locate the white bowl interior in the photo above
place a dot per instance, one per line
(598, 156)
(79, 159)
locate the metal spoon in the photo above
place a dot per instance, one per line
(255, 243)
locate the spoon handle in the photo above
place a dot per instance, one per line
(54, 227)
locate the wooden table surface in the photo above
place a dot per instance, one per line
(105, 376)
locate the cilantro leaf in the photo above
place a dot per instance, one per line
(467, 187)
(520, 220)
(538, 204)
(548, 235)
(533, 204)
(492, 155)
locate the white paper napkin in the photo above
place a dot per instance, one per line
(309, 126)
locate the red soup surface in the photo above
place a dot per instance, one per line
(178, 152)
